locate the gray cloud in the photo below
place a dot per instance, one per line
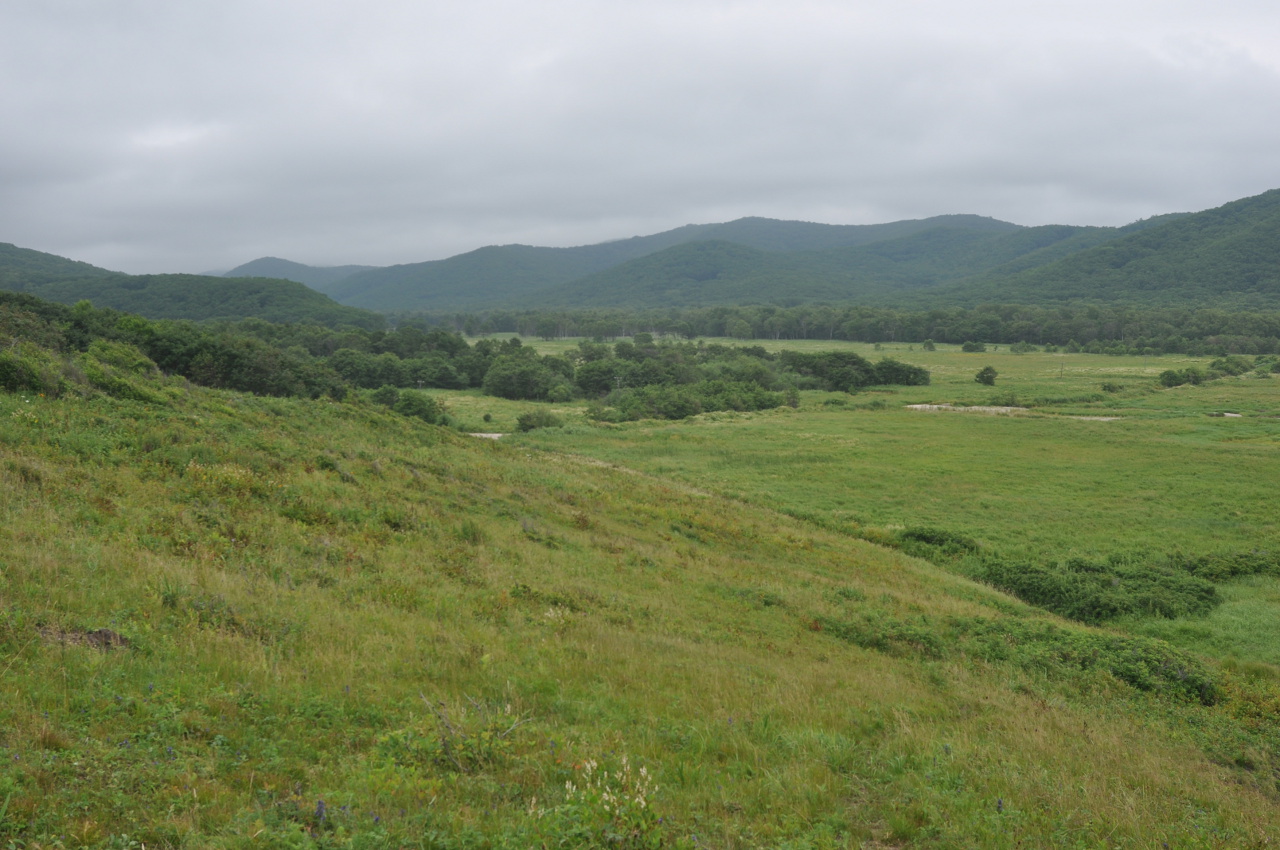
(152, 136)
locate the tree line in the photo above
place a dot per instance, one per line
(1115, 329)
(629, 379)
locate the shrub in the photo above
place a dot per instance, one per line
(419, 405)
(386, 395)
(986, 375)
(973, 347)
(889, 371)
(540, 418)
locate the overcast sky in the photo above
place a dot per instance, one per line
(153, 135)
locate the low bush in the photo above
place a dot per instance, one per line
(539, 418)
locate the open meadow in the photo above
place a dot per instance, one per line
(229, 620)
(1077, 471)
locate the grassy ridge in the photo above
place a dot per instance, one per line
(341, 628)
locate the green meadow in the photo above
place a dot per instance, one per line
(1076, 471)
(236, 621)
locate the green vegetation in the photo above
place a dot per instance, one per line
(1092, 329)
(173, 296)
(254, 594)
(232, 620)
(320, 278)
(1133, 502)
(1224, 257)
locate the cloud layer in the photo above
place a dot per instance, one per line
(152, 136)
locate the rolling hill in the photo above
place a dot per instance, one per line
(518, 274)
(238, 621)
(173, 296)
(320, 278)
(1227, 255)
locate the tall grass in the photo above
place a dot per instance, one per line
(338, 627)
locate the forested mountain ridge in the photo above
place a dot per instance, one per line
(505, 274)
(320, 278)
(173, 296)
(1230, 252)
(18, 265)
(725, 272)
(1227, 257)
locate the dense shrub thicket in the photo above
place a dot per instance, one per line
(1139, 584)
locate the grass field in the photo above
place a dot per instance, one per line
(1080, 472)
(230, 621)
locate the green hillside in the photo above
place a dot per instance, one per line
(725, 272)
(173, 296)
(1229, 255)
(320, 278)
(19, 266)
(510, 274)
(237, 621)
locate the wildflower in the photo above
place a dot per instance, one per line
(320, 810)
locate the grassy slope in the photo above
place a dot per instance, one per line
(1165, 477)
(298, 579)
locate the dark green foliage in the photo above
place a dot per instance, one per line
(1095, 593)
(935, 544)
(1229, 565)
(385, 395)
(840, 371)
(889, 371)
(972, 347)
(1104, 329)
(1231, 365)
(1032, 645)
(21, 372)
(540, 418)
(419, 405)
(1144, 663)
(886, 634)
(174, 296)
(678, 401)
(986, 375)
(1126, 585)
(519, 377)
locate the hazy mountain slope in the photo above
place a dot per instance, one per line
(320, 278)
(181, 296)
(721, 272)
(515, 273)
(19, 266)
(1227, 255)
